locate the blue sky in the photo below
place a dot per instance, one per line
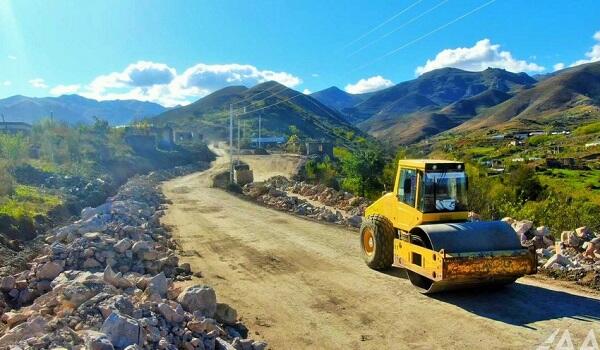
(174, 52)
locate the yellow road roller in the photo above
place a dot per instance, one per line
(423, 227)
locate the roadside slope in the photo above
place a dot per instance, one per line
(300, 284)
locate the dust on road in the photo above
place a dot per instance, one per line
(302, 284)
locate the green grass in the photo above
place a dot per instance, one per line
(481, 151)
(28, 201)
(577, 183)
(588, 129)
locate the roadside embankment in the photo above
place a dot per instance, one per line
(313, 201)
(574, 257)
(105, 281)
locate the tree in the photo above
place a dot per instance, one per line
(293, 130)
(13, 148)
(364, 168)
(526, 184)
(293, 144)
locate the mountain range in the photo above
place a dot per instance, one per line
(446, 100)
(286, 108)
(76, 109)
(458, 101)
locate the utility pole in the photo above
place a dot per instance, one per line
(259, 126)
(231, 143)
(239, 120)
(4, 122)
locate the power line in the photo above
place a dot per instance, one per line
(231, 143)
(274, 104)
(384, 56)
(382, 24)
(256, 94)
(424, 36)
(397, 29)
(283, 88)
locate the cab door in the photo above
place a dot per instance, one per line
(407, 216)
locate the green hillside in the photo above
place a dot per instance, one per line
(279, 107)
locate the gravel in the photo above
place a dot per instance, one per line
(106, 281)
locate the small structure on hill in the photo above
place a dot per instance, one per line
(15, 127)
(187, 136)
(562, 163)
(592, 144)
(150, 137)
(321, 148)
(165, 139)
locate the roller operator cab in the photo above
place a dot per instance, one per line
(423, 226)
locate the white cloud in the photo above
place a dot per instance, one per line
(11, 57)
(558, 66)
(7, 83)
(593, 55)
(65, 89)
(157, 82)
(38, 83)
(315, 75)
(145, 73)
(482, 55)
(307, 92)
(216, 76)
(368, 85)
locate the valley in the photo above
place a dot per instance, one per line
(249, 175)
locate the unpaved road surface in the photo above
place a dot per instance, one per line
(300, 284)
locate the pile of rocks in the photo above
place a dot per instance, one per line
(338, 207)
(106, 281)
(576, 256)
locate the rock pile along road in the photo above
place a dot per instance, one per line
(302, 284)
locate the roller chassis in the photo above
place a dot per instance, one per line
(459, 270)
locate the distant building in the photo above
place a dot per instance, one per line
(537, 133)
(141, 143)
(321, 148)
(557, 149)
(591, 157)
(497, 137)
(187, 136)
(150, 137)
(521, 135)
(165, 139)
(567, 163)
(592, 144)
(15, 127)
(515, 143)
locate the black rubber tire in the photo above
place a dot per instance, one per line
(422, 283)
(383, 241)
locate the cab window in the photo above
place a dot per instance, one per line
(407, 187)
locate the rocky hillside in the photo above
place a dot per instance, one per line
(419, 125)
(434, 102)
(287, 107)
(437, 89)
(563, 100)
(76, 109)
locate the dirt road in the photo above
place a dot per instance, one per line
(301, 284)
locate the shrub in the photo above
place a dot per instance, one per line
(7, 182)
